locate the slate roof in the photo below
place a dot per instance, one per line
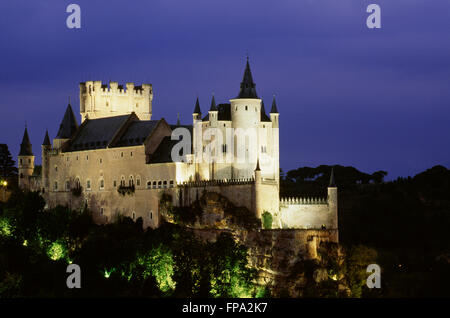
(197, 107)
(97, 133)
(247, 85)
(136, 133)
(68, 125)
(264, 117)
(274, 109)
(163, 153)
(46, 139)
(223, 114)
(25, 146)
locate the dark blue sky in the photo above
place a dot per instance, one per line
(373, 99)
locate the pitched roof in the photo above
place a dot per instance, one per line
(264, 116)
(274, 109)
(136, 133)
(213, 105)
(224, 113)
(96, 133)
(25, 146)
(197, 107)
(46, 141)
(68, 124)
(247, 85)
(163, 153)
(332, 182)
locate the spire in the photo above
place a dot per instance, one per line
(332, 183)
(257, 165)
(197, 108)
(274, 109)
(46, 139)
(213, 105)
(247, 85)
(25, 146)
(263, 113)
(68, 124)
(178, 119)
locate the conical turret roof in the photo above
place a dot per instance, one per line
(247, 85)
(68, 124)
(25, 146)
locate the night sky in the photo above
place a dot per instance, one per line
(348, 95)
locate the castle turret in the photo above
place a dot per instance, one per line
(197, 114)
(46, 147)
(246, 118)
(67, 128)
(333, 201)
(213, 113)
(26, 162)
(274, 116)
(258, 191)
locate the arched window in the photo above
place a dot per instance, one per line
(154, 184)
(159, 184)
(67, 185)
(131, 181)
(138, 181)
(149, 184)
(171, 184)
(133, 215)
(165, 184)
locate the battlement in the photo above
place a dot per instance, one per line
(98, 100)
(224, 182)
(97, 87)
(298, 201)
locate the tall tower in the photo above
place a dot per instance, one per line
(46, 147)
(67, 128)
(245, 116)
(333, 201)
(274, 116)
(26, 162)
(197, 138)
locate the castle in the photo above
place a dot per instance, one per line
(119, 160)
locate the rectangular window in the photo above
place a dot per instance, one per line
(115, 183)
(165, 184)
(138, 182)
(159, 184)
(88, 184)
(171, 184)
(55, 186)
(102, 184)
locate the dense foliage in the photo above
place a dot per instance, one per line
(119, 259)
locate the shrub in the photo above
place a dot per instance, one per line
(267, 220)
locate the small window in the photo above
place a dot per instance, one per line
(101, 211)
(67, 159)
(159, 184)
(154, 184)
(246, 107)
(20, 161)
(77, 157)
(56, 168)
(88, 184)
(121, 154)
(171, 184)
(149, 184)
(131, 154)
(115, 183)
(55, 186)
(29, 160)
(102, 184)
(131, 182)
(138, 182)
(87, 157)
(165, 184)
(67, 186)
(150, 215)
(133, 215)
(101, 160)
